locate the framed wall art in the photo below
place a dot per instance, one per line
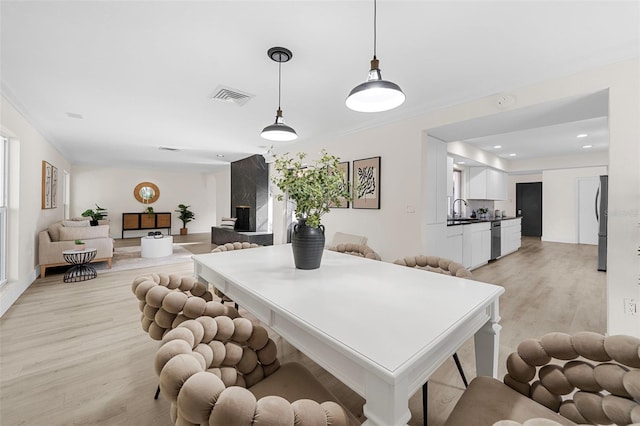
(47, 185)
(344, 203)
(54, 187)
(366, 183)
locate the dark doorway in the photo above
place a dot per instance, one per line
(529, 207)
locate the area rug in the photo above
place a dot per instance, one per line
(125, 258)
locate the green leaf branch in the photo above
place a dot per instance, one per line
(314, 187)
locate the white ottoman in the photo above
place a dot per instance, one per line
(156, 247)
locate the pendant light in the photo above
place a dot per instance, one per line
(375, 94)
(279, 131)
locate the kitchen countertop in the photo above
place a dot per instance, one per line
(470, 221)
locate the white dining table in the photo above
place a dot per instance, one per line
(380, 328)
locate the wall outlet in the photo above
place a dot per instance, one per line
(631, 307)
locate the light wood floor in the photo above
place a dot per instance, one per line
(75, 354)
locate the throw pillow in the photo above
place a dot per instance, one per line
(75, 223)
(84, 233)
(228, 222)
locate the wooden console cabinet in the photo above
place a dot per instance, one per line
(145, 221)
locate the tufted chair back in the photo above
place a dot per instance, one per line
(234, 246)
(436, 264)
(361, 250)
(167, 300)
(598, 383)
(230, 247)
(210, 368)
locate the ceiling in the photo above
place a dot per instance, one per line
(568, 126)
(111, 82)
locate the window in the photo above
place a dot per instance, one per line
(457, 178)
(4, 211)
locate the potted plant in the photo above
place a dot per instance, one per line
(482, 211)
(314, 188)
(80, 245)
(149, 211)
(185, 216)
(98, 214)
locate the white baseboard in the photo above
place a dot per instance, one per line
(12, 290)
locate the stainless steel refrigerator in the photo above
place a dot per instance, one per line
(601, 214)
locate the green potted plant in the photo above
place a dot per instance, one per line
(80, 245)
(98, 214)
(149, 211)
(185, 216)
(482, 212)
(315, 188)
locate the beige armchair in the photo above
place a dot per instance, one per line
(361, 250)
(585, 378)
(230, 247)
(436, 264)
(234, 246)
(168, 300)
(223, 371)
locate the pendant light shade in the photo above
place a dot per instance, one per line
(278, 131)
(375, 94)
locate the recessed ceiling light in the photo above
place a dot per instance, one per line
(497, 146)
(582, 135)
(75, 115)
(512, 155)
(460, 162)
(587, 146)
(220, 155)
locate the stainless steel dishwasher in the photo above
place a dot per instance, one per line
(495, 239)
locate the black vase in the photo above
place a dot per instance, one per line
(307, 244)
(93, 222)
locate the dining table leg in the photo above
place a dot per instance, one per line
(487, 344)
(387, 404)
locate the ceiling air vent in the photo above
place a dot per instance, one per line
(228, 94)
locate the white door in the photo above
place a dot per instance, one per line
(587, 207)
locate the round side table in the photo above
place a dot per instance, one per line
(81, 269)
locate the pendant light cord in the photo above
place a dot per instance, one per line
(375, 13)
(279, 81)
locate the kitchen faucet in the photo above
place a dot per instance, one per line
(453, 206)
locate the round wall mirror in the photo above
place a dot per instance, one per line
(146, 192)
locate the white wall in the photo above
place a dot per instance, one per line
(560, 201)
(394, 233)
(223, 191)
(112, 188)
(28, 149)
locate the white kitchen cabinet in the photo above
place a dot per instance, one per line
(485, 183)
(476, 244)
(453, 247)
(510, 236)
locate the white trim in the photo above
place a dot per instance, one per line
(4, 210)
